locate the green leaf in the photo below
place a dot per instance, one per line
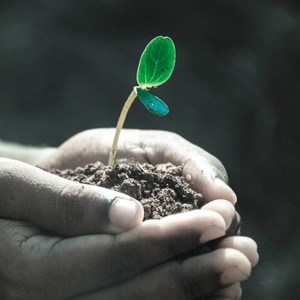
(151, 102)
(156, 63)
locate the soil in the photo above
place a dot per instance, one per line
(161, 189)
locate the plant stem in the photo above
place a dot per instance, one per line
(122, 117)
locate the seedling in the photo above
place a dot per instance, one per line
(155, 68)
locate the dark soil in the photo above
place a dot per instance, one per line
(161, 189)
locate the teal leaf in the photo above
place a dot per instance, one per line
(151, 102)
(156, 63)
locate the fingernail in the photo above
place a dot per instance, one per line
(122, 213)
(232, 276)
(231, 196)
(211, 233)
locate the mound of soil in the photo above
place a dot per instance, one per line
(161, 189)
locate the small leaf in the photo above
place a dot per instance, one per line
(151, 102)
(156, 63)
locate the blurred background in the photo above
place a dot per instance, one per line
(67, 66)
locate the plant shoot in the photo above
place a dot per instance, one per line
(155, 68)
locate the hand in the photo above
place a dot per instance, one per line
(204, 172)
(55, 244)
(48, 232)
(216, 275)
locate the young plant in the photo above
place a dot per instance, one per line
(155, 68)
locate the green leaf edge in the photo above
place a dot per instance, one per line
(140, 72)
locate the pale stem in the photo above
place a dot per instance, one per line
(113, 151)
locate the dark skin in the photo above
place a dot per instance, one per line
(64, 240)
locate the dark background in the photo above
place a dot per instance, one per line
(66, 66)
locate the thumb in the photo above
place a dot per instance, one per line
(58, 205)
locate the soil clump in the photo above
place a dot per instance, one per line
(161, 189)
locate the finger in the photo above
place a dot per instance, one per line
(229, 214)
(193, 278)
(244, 244)
(232, 292)
(224, 208)
(235, 226)
(61, 206)
(204, 172)
(85, 263)
(202, 177)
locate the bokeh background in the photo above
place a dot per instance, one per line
(66, 66)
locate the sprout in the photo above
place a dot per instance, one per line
(155, 68)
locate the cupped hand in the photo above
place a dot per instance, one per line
(204, 172)
(57, 240)
(56, 244)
